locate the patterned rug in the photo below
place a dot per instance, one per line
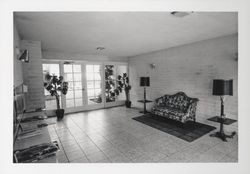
(189, 132)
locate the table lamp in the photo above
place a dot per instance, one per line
(222, 88)
(144, 82)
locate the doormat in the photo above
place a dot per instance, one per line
(188, 132)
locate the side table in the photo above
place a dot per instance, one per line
(144, 107)
(221, 134)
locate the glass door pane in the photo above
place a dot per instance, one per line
(121, 72)
(73, 75)
(94, 81)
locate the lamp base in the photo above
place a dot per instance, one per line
(223, 136)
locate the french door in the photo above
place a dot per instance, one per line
(73, 101)
(91, 85)
(85, 86)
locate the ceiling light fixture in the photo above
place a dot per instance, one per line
(68, 62)
(181, 14)
(100, 48)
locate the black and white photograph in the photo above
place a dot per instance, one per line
(127, 87)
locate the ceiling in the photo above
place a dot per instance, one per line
(123, 34)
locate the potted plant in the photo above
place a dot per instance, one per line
(54, 85)
(109, 83)
(123, 83)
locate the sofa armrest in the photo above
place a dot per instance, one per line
(192, 109)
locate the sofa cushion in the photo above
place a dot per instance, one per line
(168, 110)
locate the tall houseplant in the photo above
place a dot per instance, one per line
(54, 85)
(123, 83)
(109, 83)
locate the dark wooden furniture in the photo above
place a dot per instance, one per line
(144, 82)
(223, 121)
(226, 121)
(144, 105)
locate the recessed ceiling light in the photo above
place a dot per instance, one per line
(100, 48)
(180, 13)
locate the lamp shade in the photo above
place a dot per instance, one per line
(222, 87)
(144, 81)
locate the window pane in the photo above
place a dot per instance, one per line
(68, 77)
(77, 68)
(70, 103)
(70, 86)
(67, 68)
(121, 69)
(90, 76)
(78, 85)
(89, 68)
(78, 94)
(70, 95)
(97, 76)
(78, 77)
(51, 69)
(91, 100)
(91, 92)
(97, 84)
(97, 68)
(97, 92)
(109, 71)
(78, 102)
(90, 84)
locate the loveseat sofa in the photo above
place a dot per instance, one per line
(177, 107)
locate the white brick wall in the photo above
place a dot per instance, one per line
(190, 68)
(18, 70)
(32, 74)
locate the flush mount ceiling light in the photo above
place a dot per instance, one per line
(180, 14)
(100, 48)
(67, 62)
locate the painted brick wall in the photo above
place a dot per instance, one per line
(190, 68)
(18, 70)
(32, 74)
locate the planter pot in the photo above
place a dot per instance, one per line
(128, 104)
(60, 113)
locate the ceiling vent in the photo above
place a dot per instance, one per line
(180, 14)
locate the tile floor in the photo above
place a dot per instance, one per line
(111, 136)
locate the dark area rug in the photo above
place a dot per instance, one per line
(188, 132)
